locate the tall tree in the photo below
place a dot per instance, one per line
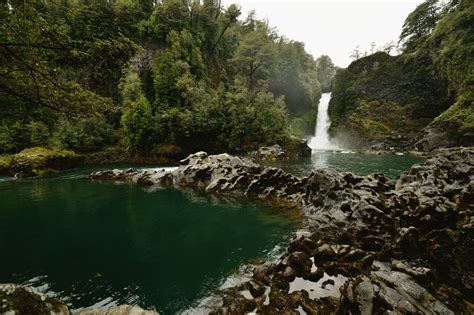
(325, 70)
(419, 24)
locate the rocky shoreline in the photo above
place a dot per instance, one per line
(403, 247)
(369, 245)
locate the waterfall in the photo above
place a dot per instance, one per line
(320, 141)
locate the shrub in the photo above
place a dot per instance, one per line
(137, 124)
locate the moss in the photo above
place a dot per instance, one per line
(5, 163)
(40, 161)
(169, 151)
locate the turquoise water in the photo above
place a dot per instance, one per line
(360, 164)
(99, 243)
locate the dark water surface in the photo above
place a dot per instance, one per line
(360, 164)
(98, 243)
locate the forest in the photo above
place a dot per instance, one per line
(155, 77)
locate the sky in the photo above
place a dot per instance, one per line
(333, 27)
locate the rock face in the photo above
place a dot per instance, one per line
(369, 246)
(433, 138)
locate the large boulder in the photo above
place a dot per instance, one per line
(38, 161)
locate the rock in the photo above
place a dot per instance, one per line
(38, 161)
(300, 262)
(256, 288)
(387, 290)
(271, 153)
(16, 299)
(433, 138)
(118, 310)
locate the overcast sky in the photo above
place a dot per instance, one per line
(333, 27)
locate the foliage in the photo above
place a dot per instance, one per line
(136, 122)
(326, 70)
(84, 135)
(168, 77)
(419, 24)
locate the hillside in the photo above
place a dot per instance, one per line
(422, 96)
(154, 78)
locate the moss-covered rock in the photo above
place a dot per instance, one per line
(39, 161)
(5, 163)
(381, 95)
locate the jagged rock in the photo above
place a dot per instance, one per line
(271, 153)
(17, 299)
(388, 290)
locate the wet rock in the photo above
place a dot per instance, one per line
(324, 253)
(271, 153)
(256, 288)
(300, 262)
(236, 304)
(118, 310)
(388, 290)
(16, 299)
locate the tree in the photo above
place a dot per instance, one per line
(388, 47)
(181, 58)
(356, 53)
(419, 24)
(326, 70)
(137, 124)
(254, 57)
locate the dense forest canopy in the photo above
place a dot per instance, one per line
(156, 76)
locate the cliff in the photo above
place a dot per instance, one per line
(422, 96)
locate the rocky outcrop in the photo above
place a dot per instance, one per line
(220, 173)
(17, 299)
(292, 148)
(433, 138)
(38, 161)
(370, 245)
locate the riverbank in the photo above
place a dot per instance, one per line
(407, 241)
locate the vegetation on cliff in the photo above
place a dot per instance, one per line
(148, 75)
(427, 87)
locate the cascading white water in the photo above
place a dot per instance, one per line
(320, 141)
